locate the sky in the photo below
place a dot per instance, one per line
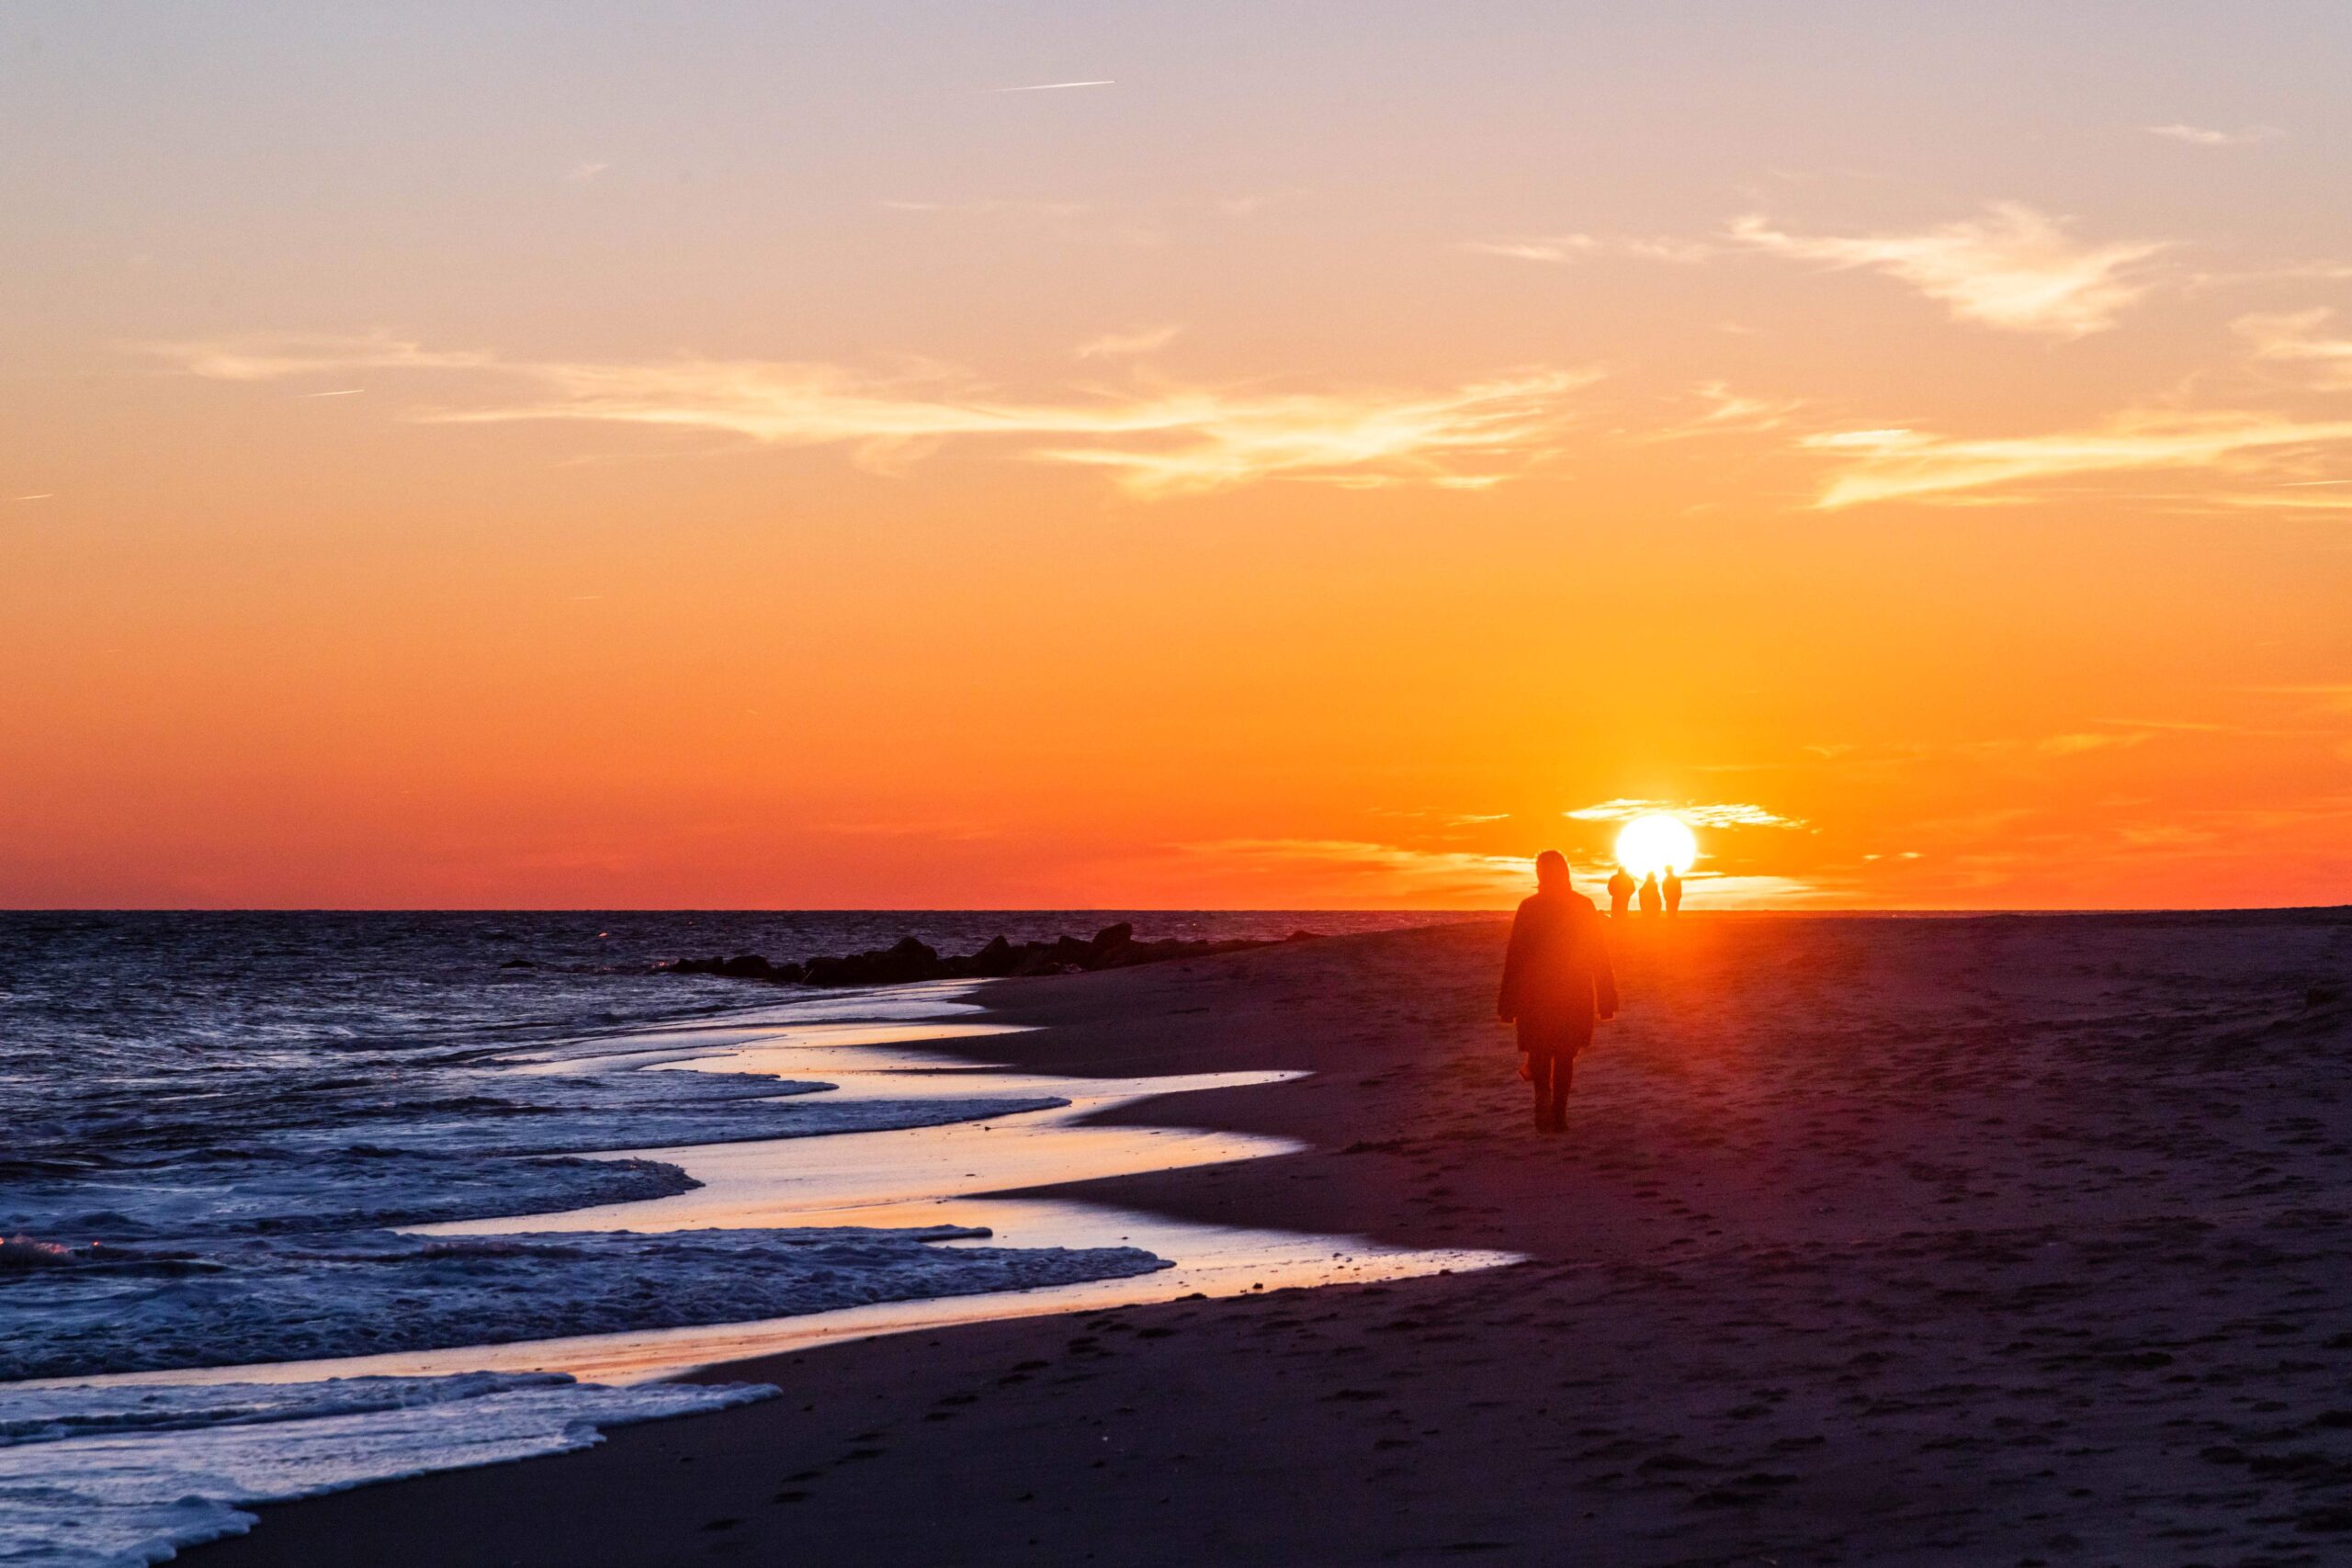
(1193, 455)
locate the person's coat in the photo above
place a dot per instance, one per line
(1556, 975)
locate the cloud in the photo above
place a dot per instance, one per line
(1178, 441)
(1120, 345)
(2076, 744)
(2199, 136)
(1557, 248)
(2289, 498)
(1730, 814)
(1157, 440)
(2014, 268)
(2298, 338)
(1053, 86)
(1732, 890)
(1360, 867)
(1894, 465)
(270, 357)
(581, 173)
(1726, 412)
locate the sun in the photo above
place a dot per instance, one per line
(1656, 841)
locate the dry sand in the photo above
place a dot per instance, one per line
(1966, 1242)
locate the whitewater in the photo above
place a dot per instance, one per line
(296, 1203)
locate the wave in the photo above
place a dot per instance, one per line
(250, 1300)
(123, 1477)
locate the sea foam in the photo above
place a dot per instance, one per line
(117, 1477)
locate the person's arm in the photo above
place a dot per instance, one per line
(1604, 974)
(1506, 1004)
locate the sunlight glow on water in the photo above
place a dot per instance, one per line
(907, 1178)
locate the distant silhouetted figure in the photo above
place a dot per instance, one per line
(1621, 891)
(1673, 889)
(1556, 983)
(1649, 894)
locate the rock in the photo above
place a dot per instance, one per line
(910, 960)
(742, 967)
(825, 971)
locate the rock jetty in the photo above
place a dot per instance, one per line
(1113, 947)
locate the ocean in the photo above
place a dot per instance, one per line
(220, 1124)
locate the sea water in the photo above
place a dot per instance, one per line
(222, 1128)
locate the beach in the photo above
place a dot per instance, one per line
(2008, 1239)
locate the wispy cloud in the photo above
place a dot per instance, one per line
(1157, 439)
(270, 357)
(2289, 498)
(1122, 346)
(1464, 437)
(584, 173)
(2303, 338)
(2075, 743)
(1890, 465)
(1560, 248)
(2202, 136)
(1725, 413)
(1725, 814)
(2014, 268)
(1053, 86)
(1363, 868)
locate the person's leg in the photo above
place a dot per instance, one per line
(1539, 1072)
(1564, 1073)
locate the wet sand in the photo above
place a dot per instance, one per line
(2000, 1241)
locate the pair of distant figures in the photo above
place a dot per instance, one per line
(1654, 894)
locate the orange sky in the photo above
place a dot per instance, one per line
(613, 455)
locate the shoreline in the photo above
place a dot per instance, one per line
(1872, 1241)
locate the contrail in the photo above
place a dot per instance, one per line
(1052, 86)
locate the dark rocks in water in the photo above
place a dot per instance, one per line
(742, 967)
(909, 960)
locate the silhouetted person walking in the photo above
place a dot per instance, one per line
(1672, 888)
(1556, 983)
(1649, 894)
(1621, 891)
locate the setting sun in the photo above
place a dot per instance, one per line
(1655, 842)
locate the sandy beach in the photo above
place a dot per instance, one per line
(2005, 1240)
